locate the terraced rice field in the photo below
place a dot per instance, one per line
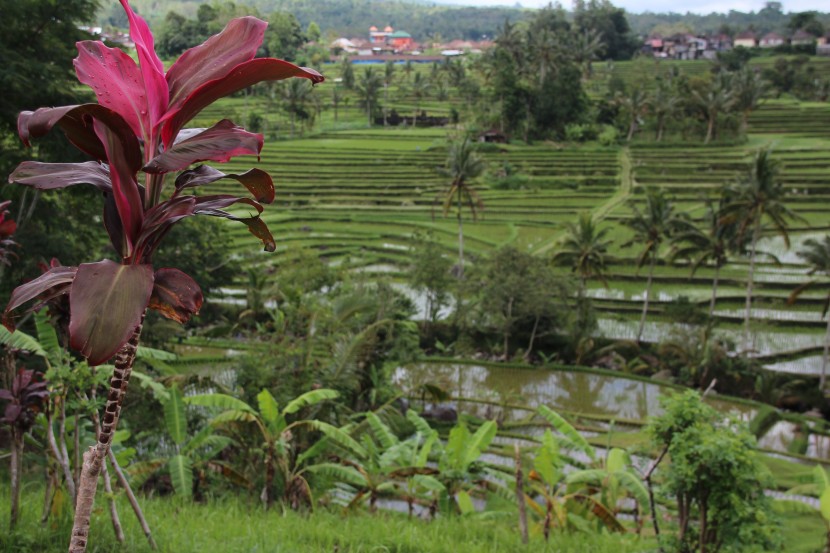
(357, 195)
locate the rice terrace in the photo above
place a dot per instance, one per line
(507, 279)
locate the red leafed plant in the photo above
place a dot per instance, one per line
(135, 136)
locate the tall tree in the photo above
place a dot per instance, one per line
(585, 249)
(664, 104)
(652, 227)
(367, 89)
(709, 243)
(634, 105)
(749, 90)
(713, 100)
(816, 253)
(463, 165)
(755, 198)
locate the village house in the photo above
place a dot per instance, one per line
(802, 38)
(747, 39)
(771, 40)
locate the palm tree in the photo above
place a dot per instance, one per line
(635, 105)
(584, 248)
(817, 255)
(750, 89)
(707, 244)
(651, 228)
(712, 101)
(463, 164)
(759, 195)
(663, 104)
(296, 95)
(388, 73)
(420, 89)
(585, 47)
(367, 90)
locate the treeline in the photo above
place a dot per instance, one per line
(350, 18)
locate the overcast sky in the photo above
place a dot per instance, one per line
(696, 6)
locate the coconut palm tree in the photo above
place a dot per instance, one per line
(463, 164)
(652, 226)
(296, 95)
(367, 90)
(817, 255)
(420, 89)
(716, 98)
(635, 105)
(664, 103)
(388, 74)
(584, 248)
(756, 197)
(709, 243)
(749, 90)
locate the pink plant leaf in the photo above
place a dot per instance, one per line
(152, 70)
(116, 81)
(159, 219)
(114, 227)
(125, 189)
(77, 123)
(176, 295)
(257, 181)
(52, 283)
(51, 176)
(213, 206)
(215, 58)
(219, 143)
(107, 301)
(244, 75)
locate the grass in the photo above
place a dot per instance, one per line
(232, 525)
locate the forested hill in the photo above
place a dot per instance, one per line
(351, 17)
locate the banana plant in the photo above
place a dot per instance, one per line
(190, 457)
(819, 487)
(386, 467)
(135, 136)
(603, 488)
(278, 444)
(567, 502)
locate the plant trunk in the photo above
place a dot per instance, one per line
(532, 338)
(116, 521)
(714, 293)
(139, 514)
(647, 298)
(460, 239)
(94, 456)
(659, 136)
(520, 495)
(385, 102)
(824, 357)
(269, 478)
(63, 462)
(48, 494)
(16, 466)
(631, 128)
(756, 233)
(77, 448)
(507, 323)
(710, 129)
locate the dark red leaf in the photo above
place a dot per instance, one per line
(213, 205)
(176, 295)
(125, 190)
(107, 301)
(115, 230)
(152, 70)
(6, 395)
(117, 82)
(244, 75)
(219, 143)
(53, 282)
(51, 176)
(215, 58)
(257, 181)
(77, 123)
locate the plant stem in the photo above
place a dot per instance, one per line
(17, 454)
(94, 456)
(139, 514)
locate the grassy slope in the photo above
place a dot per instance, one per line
(232, 525)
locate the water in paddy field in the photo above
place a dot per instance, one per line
(573, 391)
(608, 397)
